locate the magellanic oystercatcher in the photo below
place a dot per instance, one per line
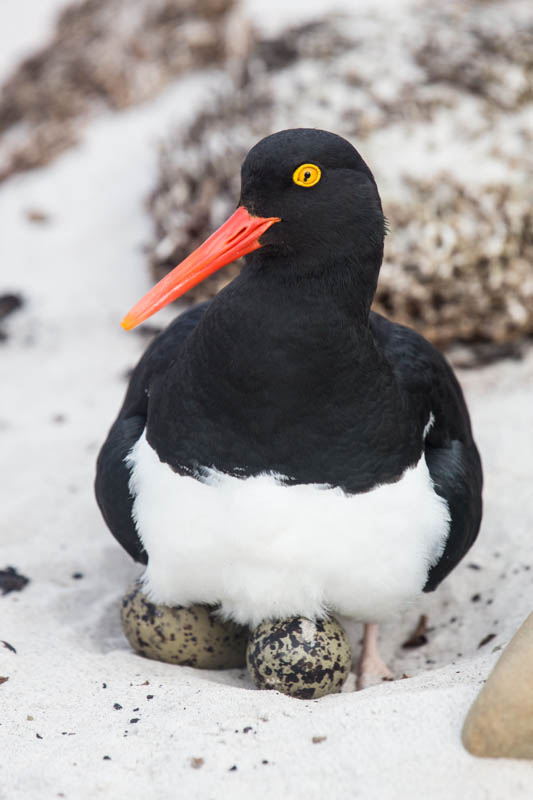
(282, 450)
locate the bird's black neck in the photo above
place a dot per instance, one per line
(335, 282)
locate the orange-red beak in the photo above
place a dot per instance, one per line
(239, 235)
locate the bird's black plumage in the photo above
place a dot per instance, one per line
(288, 371)
(449, 449)
(112, 474)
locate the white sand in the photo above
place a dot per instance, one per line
(62, 378)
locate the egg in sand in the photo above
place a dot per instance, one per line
(299, 657)
(194, 636)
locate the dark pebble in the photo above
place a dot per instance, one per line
(486, 639)
(12, 581)
(10, 303)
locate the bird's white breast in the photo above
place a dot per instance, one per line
(263, 549)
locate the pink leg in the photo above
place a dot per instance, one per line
(372, 669)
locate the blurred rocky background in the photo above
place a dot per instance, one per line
(437, 97)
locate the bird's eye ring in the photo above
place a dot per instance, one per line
(307, 175)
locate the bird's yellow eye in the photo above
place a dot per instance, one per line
(306, 175)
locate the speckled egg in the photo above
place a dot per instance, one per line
(192, 636)
(299, 657)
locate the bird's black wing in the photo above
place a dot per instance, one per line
(450, 451)
(112, 474)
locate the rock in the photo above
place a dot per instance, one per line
(193, 636)
(299, 657)
(500, 722)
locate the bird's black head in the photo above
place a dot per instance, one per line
(309, 214)
(326, 197)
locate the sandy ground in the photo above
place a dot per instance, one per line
(81, 716)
